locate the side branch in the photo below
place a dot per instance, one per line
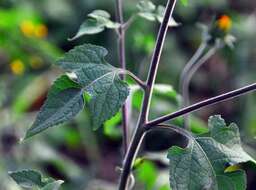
(140, 130)
(171, 128)
(203, 104)
(187, 80)
(141, 83)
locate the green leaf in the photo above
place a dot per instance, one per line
(184, 2)
(99, 79)
(111, 128)
(160, 16)
(64, 102)
(147, 174)
(82, 55)
(27, 178)
(233, 180)
(152, 12)
(90, 26)
(201, 165)
(146, 6)
(32, 179)
(53, 186)
(96, 22)
(146, 10)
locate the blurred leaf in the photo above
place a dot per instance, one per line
(33, 179)
(138, 162)
(202, 163)
(198, 126)
(104, 17)
(53, 186)
(184, 2)
(36, 88)
(150, 12)
(27, 178)
(111, 128)
(64, 101)
(164, 187)
(160, 16)
(167, 91)
(146, 9)
(90, 26)
(147, 174)
(97, 21)
(160, 90)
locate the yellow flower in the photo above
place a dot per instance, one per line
(224, 23)
(41, 31)
(27, 28)
(17, 67)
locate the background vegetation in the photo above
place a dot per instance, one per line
(33, 34)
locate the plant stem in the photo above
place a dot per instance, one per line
(187, 80)
(141, 83)
(184, 74)
(190, 64)
(122, 61)
(158, 51)
(172, 128)
(143, 118)
(202, 104)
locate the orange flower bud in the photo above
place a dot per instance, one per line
(224, 23)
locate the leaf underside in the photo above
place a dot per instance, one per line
(202, 163)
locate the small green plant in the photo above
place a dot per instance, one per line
(90, 82)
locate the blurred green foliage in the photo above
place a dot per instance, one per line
(33, 34)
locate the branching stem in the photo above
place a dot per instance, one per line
(141, 83)
(190, 64)
(172, 128)
(140, 129)
(187, 80)
(202, 104)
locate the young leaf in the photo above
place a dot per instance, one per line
(202, 163)
(96, 22)
(90, 26)
(151, 12)
(27, 178)
(53, 186)
(64, 102)
(31, 179)
(160, 16)
(99, 79)
(146, 10)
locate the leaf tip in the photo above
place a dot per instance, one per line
(72, 38)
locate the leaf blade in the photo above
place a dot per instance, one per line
(27, 178)
(222, 147)
(97, 78)
(64, 102)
